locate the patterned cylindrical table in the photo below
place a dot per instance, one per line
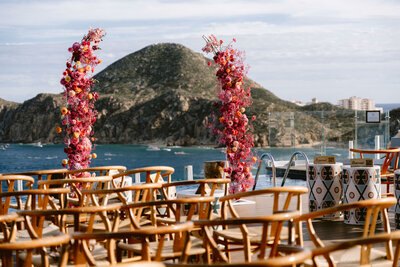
(397, 195)
(325, 186)
(360, 183)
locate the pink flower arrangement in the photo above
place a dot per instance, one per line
(231, 126)
(79, 114)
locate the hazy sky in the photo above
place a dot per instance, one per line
(298, 49)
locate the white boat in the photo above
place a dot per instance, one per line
(37, 144)
(153, 148)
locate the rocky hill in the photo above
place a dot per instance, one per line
(161, 94)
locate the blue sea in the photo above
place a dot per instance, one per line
(24, 157)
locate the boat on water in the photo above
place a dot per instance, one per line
(37, 144)
(153, 148)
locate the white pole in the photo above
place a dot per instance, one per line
(189, 172)
(377, 145)
(351, 145)
(137, 178)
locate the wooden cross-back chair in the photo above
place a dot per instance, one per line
(289, 197)
(144, 250)
(170, 211)
(129, 194)
(84, 218)
(269, 236)
(373, 209)
(76, 185)
(345, 249)
(25, 251)
(98, 171)
(294, 256)
(391, 158)
(34, 199)
(44, 174)
(8, 184)
(153, 174)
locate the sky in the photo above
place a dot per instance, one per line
(297, 49)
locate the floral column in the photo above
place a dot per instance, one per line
(232, 125)
(79, 114)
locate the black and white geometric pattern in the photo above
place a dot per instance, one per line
(360, 183)
(325, 186)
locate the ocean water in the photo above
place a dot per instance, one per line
(24, 157)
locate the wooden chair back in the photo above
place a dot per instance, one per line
(373, 207)
(153, 174)
(98, 171)
(244, 224)
(365, 242)
(76, 185)
(8, 249)
(181, 245)
(8, 224)
(288, 196)
(203, 187)
(84, 220)
(44, 174)
(295, 257)
(8, 183)
(129, 194)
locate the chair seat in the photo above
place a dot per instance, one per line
(255, 233)
(183, 218)
(351, 257)
(48, 231)
(168, 252)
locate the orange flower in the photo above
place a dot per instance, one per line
(228, 70)
(94, 155)
(100, 61)
(58, 129)
(87, 68)
(221, 119)
(89, 96)
(64, 161)
(234, 98)
(67, 78)
(254, 159)
(81, 70)
(239, 114)
(229, 84)
(78, 63)
(76, 134)
(64, 110)
(78, 90)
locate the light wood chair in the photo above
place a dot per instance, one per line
(290, 199)
(43, 174)
(346, 250)
(162, 249)
(153, 174)
(373, 208)
(126, 195)
(269, 235)
(98, 171)
(9, 183)
(24, 251)
(76, 185)
(169, 211)
(83, 220)
(294, 256)
(391, 157)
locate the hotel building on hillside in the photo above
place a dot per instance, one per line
(356, 103)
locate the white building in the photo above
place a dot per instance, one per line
(357, 103)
